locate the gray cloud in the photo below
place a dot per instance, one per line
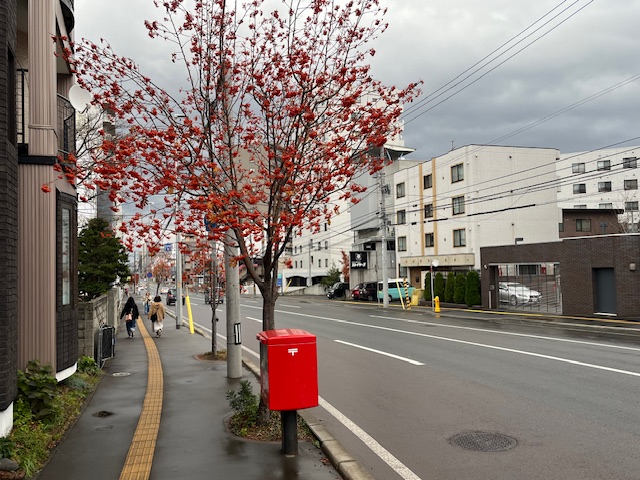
(435, 41)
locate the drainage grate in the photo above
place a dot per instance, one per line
(483, 441)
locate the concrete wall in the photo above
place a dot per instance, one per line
(104, 310)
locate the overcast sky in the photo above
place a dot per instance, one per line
(595, 50)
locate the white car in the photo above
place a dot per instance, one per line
(164, 290)
(515, 293)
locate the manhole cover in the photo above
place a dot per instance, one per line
(102, 414)
(483, 441)
(120, 374)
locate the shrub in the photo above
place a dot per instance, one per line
(427, 287)
(88, 365)
(460, 286)
(6, 447)
(438, 285)
(37, 385)
(245, 406)
(472, 295)
(449, 288)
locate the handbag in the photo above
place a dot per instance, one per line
(154, 317)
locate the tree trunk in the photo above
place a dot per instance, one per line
(269, 296)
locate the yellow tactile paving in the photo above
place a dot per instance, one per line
(140, 456)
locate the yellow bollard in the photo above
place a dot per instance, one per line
(437, 306)
(188, 301)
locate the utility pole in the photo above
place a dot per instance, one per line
(383, 216)
(234, 337)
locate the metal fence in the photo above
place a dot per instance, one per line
(106, 344)
(530, 287)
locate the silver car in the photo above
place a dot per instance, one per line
(515, 293)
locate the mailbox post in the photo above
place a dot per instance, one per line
(288, 378)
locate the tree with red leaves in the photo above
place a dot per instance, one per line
(277, 113)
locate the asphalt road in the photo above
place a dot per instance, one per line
(399, 388)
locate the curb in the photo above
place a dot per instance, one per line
(342, 461)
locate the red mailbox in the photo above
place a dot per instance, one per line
(288, 369)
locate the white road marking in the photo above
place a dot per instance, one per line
(514, 334)
(482, 345)
(290, 306)
(384, 454)
(387, 457)
(380, 352)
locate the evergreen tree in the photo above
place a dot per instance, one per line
(438, 285)
(427, 287)
(333, 276)
(101, 259)
(449, 287)
(472, 295)
(460, 286)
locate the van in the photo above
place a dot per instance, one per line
(396, 290)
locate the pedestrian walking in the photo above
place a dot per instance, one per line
(130, 314)
(156, 315)
(147, 302)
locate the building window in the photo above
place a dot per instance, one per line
(577, 168)
(604, 186)
(325, 227)
(326, 245)
(319, 263)
(579, 207)
(606, 205)
(561, 227)
(428, 240)
(459, 238)
(428, 210)
(457, 173)
(458, 205)
(583, 225)
(402, 244)
(66, 256)
(401, 217)
(319, 246)
(296, 263)
(630, 162)
(631, 184)
(427, 181)
(400, 190)
(326, 262)
(604, 165)
(631, 206)
(579, 188)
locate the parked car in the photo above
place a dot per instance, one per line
(515, 293)
(164, 290)
(337, 290)
(171, 297)
(364, 291)
(368, 291)
(395, 290)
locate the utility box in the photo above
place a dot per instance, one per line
(288, 369)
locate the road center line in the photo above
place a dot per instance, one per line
(380, 352)
(475, 344)
(514, 334)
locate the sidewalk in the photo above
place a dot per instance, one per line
(170, 409)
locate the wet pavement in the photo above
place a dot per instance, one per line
(191, 441)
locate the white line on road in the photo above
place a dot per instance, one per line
(290, 306)
(404, 359)
(483, 345)
(384, 454)
(399, 467)
(514, 334)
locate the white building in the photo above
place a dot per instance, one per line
(601, 179)
(449, 207)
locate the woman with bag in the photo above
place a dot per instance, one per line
(147, 302)
(156, 315)
(130, 314)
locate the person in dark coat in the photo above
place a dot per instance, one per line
(130, 314)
